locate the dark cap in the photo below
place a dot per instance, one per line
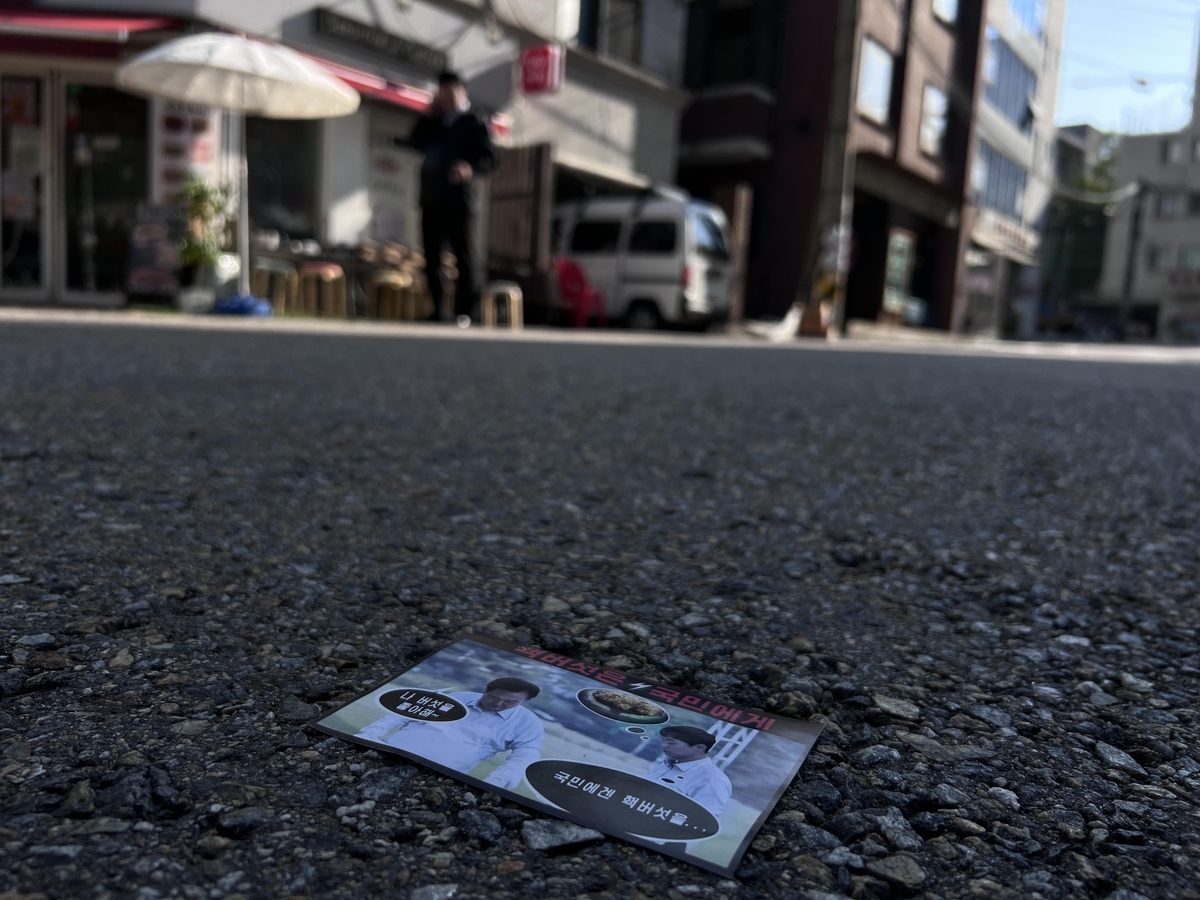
(448, 77)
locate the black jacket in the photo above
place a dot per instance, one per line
(467, 139)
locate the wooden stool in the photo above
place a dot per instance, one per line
(275, 279)
(422, 299)
(391, 296)
(393, 254)
(323, 289)
(368, 252)
(513, 298)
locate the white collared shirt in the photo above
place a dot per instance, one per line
(464, 744)
(698, 780)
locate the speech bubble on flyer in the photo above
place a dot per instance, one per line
(676, 772)
(612, 799)
(422, 706)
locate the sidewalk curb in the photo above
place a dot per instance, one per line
(738, 337)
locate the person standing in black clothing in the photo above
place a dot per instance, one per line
(457, 148)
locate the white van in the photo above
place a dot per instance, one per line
(656, 258)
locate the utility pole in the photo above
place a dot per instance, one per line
(823, 301)
(1135, 237)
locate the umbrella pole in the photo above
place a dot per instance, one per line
(243, 232)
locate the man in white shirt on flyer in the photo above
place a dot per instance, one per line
(496, 722)
(688, 770)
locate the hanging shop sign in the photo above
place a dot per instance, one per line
(542, 69)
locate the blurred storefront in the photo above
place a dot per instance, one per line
(74, 153)
(89, 173)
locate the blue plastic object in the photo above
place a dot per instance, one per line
(242, 305)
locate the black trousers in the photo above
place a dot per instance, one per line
(449, 224)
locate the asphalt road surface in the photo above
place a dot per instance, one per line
(979, 572)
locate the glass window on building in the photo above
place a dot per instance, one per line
(1029, 14)
(727, 44)
(106, 149)
(613, 28)
(875, 82)
(730, 51)
(1170, 204)
(1189, 259)
(946, 10)
(1194, 205)
(1159, 259)
(1171, 151)
(1010, 83)
(991, 65)
(21, 181)
(283, 156)
(979, 173)
(999, 181)
(934, 109)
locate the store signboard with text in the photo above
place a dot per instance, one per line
(394, 176)
(185, 143)
(542, 69)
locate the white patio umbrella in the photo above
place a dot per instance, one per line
(247, 76)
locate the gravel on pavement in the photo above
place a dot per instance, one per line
(980, 573)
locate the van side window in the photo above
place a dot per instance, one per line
(596, 237)
(652, 237)
(710, 241)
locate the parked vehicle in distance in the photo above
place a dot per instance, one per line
(656, 257)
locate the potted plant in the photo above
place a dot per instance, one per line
(204, 207)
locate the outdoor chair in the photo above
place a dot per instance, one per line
(391, 296)
(513, 299)
(276, 280)
(368, 252)
(323, 289)
(393, 255)
(422, 299)
(576, 291)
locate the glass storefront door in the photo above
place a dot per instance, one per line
(105, 164)
(74, 170)
(23, 249)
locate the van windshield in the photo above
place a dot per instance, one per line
(709, 237)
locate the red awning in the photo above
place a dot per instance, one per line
(37, 23)
(410, 97)
(380, 88)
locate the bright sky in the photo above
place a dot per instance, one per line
(1108, 44)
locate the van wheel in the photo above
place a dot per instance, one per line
(643, 316)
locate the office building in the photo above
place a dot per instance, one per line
(1013, 170)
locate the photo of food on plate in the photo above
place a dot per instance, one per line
(623, 707)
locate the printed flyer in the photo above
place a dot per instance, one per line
(660, 767)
